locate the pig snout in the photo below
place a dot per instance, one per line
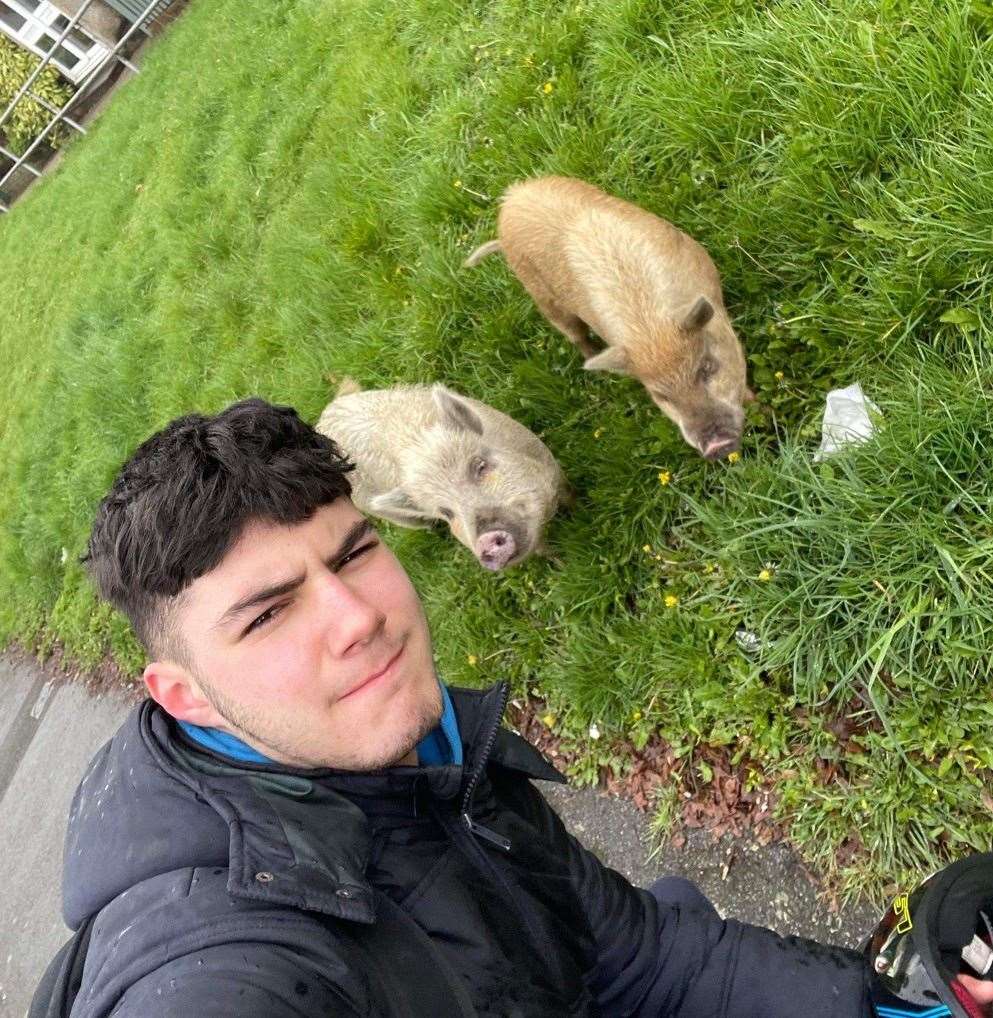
(718, 444)
(719, 437)
(495, 548)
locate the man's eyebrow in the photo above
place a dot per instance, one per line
(355, 533)
(258, 597)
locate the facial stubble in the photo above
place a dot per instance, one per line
(249, 723)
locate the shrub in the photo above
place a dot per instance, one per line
(28, 118)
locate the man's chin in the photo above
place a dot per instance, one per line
(407, 724)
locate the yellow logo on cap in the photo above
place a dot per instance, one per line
(902, 909)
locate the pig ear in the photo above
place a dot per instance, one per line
(701, 313)
(614, 359)
(455, 412)
(397, 505)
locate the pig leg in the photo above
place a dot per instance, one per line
(542, 550)
(574, 329)
(567, 495)
(571, 326)
(397, 507)
(412, 524)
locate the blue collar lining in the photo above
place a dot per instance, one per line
(439, 747)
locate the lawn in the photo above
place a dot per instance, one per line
(284, 196)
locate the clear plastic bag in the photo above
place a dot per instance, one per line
(847, 419)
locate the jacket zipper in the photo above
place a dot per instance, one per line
(479, 831)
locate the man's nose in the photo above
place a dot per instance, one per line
(351, 621)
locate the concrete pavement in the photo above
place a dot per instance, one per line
(49, 730)
(48, 733)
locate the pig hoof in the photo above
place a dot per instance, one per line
(495, 549)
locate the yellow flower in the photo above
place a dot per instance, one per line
(765, 575)
(671, 600)
(472, 659)
(779, 376)
(547, 88)
(598, 432)
(548, 720)
(456, 183)
(647, 549)
(636, 716)
(709, 567)
(664, 477)
(733, 457)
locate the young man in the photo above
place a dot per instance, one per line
(302, 822)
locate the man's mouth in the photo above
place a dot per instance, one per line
(384, 672)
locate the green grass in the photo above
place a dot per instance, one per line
(274, 201)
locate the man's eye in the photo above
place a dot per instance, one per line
(357, 552)
(264, 619)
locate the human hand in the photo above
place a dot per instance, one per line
(981, 991)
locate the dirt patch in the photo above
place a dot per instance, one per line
(106, 678)
(724, 805)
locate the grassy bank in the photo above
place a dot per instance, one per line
(284, 196)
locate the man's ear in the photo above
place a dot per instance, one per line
(175, 690)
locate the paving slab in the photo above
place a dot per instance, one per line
(45, 758)
(16, 682)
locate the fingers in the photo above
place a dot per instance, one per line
(981, 990)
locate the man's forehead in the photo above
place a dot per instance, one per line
(267, 551)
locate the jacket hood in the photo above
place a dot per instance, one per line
(152, 802)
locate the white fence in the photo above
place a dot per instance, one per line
(52, 52)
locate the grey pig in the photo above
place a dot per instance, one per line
(424, 453)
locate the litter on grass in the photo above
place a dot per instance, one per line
(749, 642)
(846, 421)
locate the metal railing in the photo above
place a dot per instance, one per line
(61, 116)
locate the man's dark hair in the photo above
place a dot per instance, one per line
(185, 496)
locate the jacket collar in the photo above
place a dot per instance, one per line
(278, 818)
